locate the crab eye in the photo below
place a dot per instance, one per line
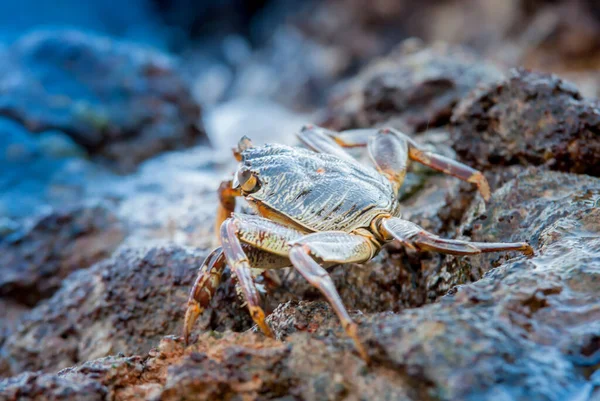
(248, 181)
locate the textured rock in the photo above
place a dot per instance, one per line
(34, 262)
(529, 119)
(121, 102)
(528, 322)
(125, 304)
(525, 330)
(497, 326)
(413, 88)
(538, 206)
(47, 387)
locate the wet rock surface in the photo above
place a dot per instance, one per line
(530, 119)
(121, 102)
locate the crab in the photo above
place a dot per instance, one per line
(319, 207)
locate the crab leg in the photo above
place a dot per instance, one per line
(390, 155)
(364, 137)
(209, 278)
(265, 235)
(416, 237)
(240, 265)
(226, 192)
(357, 138)
(205, 286)
(337, 247)
(319, 139)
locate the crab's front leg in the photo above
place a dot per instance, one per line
(271, 239)
(332, 247)
(209, 278)
(240, 265)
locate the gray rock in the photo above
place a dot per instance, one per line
(46, 387)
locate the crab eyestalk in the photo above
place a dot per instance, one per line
(243, 144)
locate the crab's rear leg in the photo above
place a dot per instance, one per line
(332, 247)
(382, 143)
(418, 238)
(319, 140)
(205, 286)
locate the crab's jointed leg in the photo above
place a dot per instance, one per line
(257, 234)
(416, 237)
(332, 247)
(240, 265)
(319, 139)
(205, 286)
(364, 137)
(209, 278)
(390, 155)
(264, 235)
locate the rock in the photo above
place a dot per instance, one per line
(535, 206)
(37, 386)
(568, 32)
(39, 171)
(34, 262)
(123, 377)
(413, 88)
(526, 330)
(121, 102)
(10, 312)
(230, 366)
(529, 119)
(125, 304)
